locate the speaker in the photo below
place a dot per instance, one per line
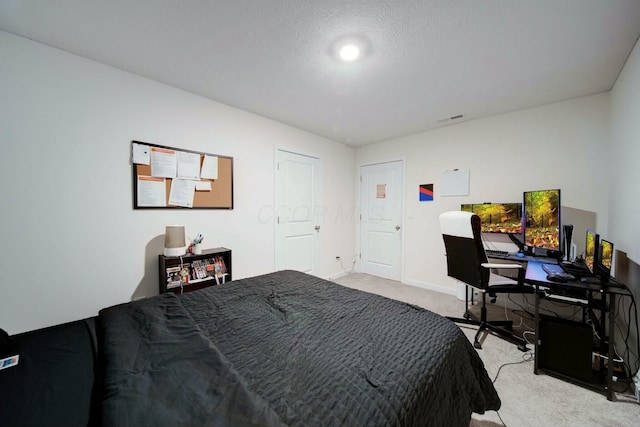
(565, 347)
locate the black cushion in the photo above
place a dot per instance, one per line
(53, 383)
(8, 346)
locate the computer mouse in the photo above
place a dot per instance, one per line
(520, 255)
(556, 278)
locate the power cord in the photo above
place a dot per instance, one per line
(352, 266)
(529, 358)
(524, 335)
(628, 353)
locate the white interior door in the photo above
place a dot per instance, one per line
(297, 197)
(381, 190)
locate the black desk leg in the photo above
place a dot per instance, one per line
(611, 348)
(537, 328)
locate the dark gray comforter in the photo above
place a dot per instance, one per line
(287, 349)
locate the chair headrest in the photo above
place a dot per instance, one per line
(457, 223)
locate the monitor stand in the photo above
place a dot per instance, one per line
(518, 243)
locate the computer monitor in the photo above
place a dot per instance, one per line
(605, 259)
(592, 246)
(542, 219)
(497, 217)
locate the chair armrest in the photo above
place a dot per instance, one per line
(492, 265)
(521, 270)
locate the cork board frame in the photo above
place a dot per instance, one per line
(220, 196)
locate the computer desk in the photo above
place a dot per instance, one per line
(597, 297)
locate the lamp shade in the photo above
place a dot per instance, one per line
(174, 240)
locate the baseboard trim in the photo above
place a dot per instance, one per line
(429, 286)
(336, 276)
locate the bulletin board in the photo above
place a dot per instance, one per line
(213, 193)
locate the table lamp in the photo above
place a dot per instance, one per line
(174, 240)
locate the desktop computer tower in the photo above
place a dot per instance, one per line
(565, 347)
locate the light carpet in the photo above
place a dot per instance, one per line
(527, 399)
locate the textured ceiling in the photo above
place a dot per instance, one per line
(427, 60)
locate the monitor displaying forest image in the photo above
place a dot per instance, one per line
(590, 253)
(497, 217)
(542, 214)
(606, 254)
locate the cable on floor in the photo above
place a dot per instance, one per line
(529, 358)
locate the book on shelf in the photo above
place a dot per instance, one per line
(220, 267)
(198, 269)
(173, 277)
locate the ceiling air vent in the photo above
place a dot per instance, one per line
(456, 117)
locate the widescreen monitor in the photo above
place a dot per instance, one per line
(592, 244)
(605, 259)
(497, 217)
(542, 219)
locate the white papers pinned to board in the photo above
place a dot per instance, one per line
(151, 191)
(188, 165)
(163, 162)
(203, 185)
(209, 168)
(181, 192)
(454, 182)
(140, 154)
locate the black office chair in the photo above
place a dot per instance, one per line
(467, 262)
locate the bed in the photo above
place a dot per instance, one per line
(286, 348)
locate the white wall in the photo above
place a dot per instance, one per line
(624, 226)
(563, 145)
(71, 242)
(65, 128)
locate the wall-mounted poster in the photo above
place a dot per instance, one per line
(426, 192)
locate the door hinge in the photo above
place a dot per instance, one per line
(278, 220)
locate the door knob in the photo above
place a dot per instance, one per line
(397, 227)
(317, 228)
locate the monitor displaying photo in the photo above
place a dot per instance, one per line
(497, 217)
(606, 258)
(542, 219)
(592, 244)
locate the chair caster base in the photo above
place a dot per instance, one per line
(477, 345)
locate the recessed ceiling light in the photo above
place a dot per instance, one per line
(349, 52)
(350, 48)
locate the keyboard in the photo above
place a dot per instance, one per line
(557, 270)
(495, 253)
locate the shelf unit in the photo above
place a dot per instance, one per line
(192, 272)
